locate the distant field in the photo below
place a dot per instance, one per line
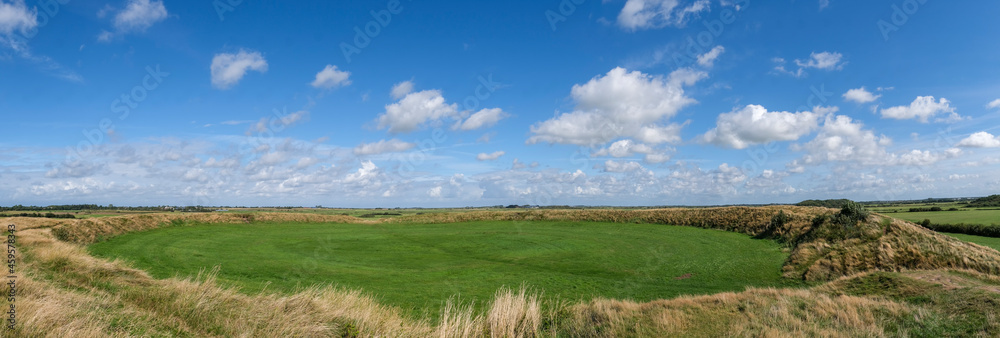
(984, 241)
(967, 216)
(419, 266)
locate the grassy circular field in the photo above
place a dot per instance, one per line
(419, 266)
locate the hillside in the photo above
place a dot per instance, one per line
(873, 275)
(983, 202)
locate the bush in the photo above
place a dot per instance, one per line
(851, 214)
(842, 225)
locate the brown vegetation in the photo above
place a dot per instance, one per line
(66, 292)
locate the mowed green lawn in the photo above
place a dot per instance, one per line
(418, 267)
(967, 216)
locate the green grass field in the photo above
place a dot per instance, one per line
(417, 267)
(984, 241)
(967, 216)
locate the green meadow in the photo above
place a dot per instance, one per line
(417, 266)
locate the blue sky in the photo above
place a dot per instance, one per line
(470, 103)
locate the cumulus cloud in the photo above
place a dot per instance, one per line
(648, 14)
(428, 107)
(621, 104)
(708, 59)
(482, 118)
(331, 77)
(624, 148)
(926, 157)
(16, 17)
(621, 167)
(860, 95)
(980, 140)
(400, 90)
(228, 69)
(753, 124)
(922, 109)
(416, 109)
(994, 104)
(137, 16)
(489, 157)
(383, 146)
(842, 139)
(822, 60)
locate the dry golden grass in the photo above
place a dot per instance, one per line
(66, 292)
(91, 230)
(755, 312)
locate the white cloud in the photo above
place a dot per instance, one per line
(926, 157)
(980, 140)
(823, 4)
(621, 104)
(77, 169)
(860, 95)
(489, 157)
(16, 17)
(483, 118)
(434, 192)
(400, 90)
(922, 109)
(621, 167)
(841, 139)
(228, 69)
(753, 124)
(708, 59)
(648, 14)
(414, 110)
(657, 158)
(822, 60)
(994, 104)
(624, 148)
(383, 146)
(428, 107)
(139, 15)
(779, 66)
(331, 77)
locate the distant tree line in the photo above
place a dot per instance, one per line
(832, 203)
(989, 201)
(931, 209)
(45, 215)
